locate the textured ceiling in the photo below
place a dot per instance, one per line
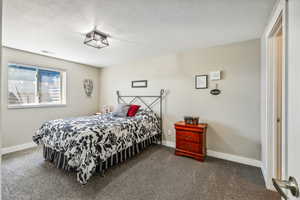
(139, 28)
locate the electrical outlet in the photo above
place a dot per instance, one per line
(169, 132)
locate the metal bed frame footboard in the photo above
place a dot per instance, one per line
(149, 106)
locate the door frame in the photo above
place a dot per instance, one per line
(279, 15)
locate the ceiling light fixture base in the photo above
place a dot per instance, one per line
(96, 39)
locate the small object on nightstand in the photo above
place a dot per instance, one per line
(98, 113)
(191, 140)
(191, 120)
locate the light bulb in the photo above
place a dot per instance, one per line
(98, 43)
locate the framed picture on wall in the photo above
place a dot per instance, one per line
(201, 81)
(139, 84)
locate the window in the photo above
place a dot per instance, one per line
(35, 86)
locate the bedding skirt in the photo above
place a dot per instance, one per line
(61, 161)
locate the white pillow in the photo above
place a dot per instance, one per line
(122, 110)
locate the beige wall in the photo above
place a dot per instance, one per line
(19, 125)
(233, 116)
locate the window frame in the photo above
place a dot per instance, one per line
(63, 87)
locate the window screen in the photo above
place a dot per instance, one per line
(22, 85)
(34, 85)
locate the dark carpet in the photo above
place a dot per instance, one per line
(155, 173)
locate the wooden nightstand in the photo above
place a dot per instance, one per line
(191, 140)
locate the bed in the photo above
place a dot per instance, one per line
(92, 144)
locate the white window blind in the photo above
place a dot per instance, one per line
(49, 86)
(30, 85)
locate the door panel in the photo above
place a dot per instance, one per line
(293, 88)
(288, 187)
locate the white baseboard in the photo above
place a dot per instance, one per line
(168, 144)
(234, 158)
(20, 147)
(224, 156)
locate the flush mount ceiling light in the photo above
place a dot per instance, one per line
(96, 39)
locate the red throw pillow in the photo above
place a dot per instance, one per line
(133, 110)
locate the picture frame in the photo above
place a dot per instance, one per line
(88, 87)
(139, 84)
(201, 81)
(215, 76)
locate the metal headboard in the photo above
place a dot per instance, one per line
(149, 106)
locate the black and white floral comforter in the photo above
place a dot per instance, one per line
(86, 139)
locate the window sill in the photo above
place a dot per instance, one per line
(35, 106)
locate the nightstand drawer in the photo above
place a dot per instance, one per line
(188, 146)
(188, 136)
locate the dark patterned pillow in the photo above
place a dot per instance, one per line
(122, 110)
